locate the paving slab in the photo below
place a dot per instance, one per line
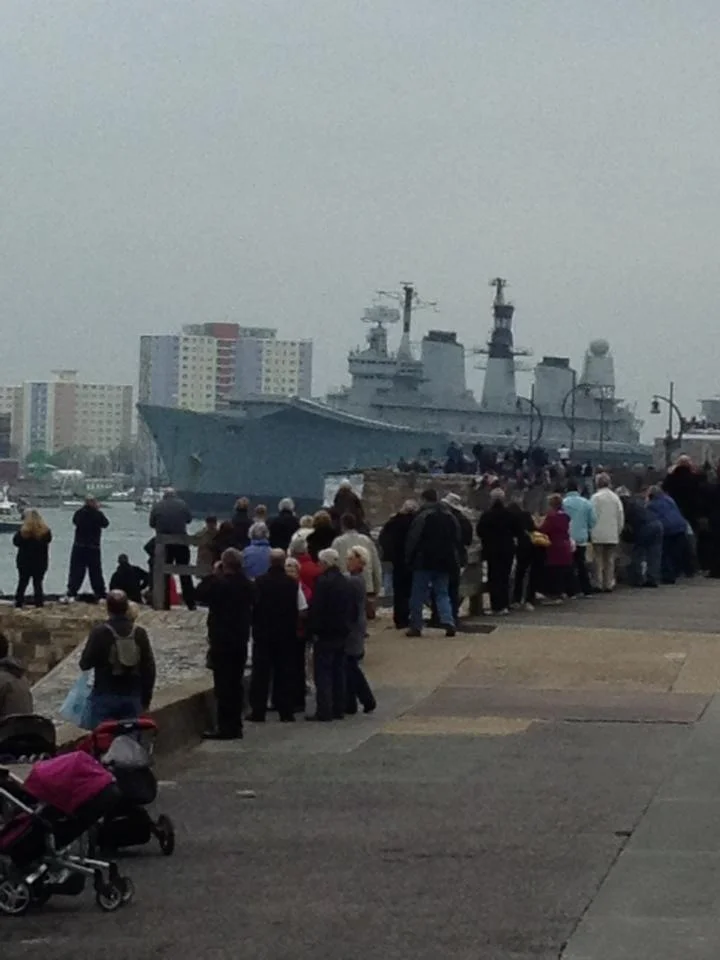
(630, 707)
(679, 825)
(623, 938)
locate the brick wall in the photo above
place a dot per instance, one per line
(40, 639)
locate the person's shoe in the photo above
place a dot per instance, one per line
(370, 708)
(516, 605)
(18, 605)
(529, 607)
(413, 632)
(555, 602)
(651, 583)
(255, 718)
(314, 718)
(351, 712)
(450, 630)
(501, 613)
(586, 596)
(338, 716)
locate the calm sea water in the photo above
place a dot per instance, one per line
(127, 533)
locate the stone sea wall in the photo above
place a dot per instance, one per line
(42, 638)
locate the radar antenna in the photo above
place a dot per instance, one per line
(410, 300)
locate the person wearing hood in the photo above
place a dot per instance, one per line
(85, 556)
(256, 557)
(283, 526)
(15, 693)
(241, 522)
(130, 579)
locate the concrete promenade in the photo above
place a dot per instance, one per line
(548, 789)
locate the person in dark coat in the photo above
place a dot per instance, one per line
(275, 641)
(171, 516)
(453, 502)
(242, 521)
(130, 579)
(229, 597)
(644, 532)
(85, 556)
(559, 573)
(663, 508)
(283, 526)
(347, 501)
(529, 559)
(33, 542)
(391, 541)
(432, 550)
(15, 692)
(498, 531)
(686, 486)
(120, 654)
(712, 501)
(330, 619)
(357, 686)
(322, 535)
(224, 539)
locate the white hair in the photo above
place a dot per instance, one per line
(497, 494)
(286, 504)
(298, 547)
(362, 553)
(329, 557)
(259, 531)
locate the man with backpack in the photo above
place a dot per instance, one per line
(120, 654)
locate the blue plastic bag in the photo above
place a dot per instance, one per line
(75, 706)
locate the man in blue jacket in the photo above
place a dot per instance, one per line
(675, 540)
(582, 520)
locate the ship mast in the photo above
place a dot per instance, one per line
(404, 351)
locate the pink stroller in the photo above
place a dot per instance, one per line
(41, 845)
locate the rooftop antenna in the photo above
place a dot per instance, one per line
(409, 299)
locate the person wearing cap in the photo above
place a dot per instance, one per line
(453, 502)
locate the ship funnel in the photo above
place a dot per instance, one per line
(408, 296)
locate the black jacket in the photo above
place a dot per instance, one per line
(275, 614)
(281, 528)
(241, 524)
(229, 599)
(96, 656)
(466, 533)
(171, 516)
(686, 488)
(498, 529)
(131, 579)
(332, 610)
(320, 539)
(393, 537)
(89, 525)
(434, 541)
(32, 553)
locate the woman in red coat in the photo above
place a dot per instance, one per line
(559, 554)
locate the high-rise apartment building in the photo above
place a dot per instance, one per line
(178, 371)
(265, 365)
(53, 415)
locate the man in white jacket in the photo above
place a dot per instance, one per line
(606, 532)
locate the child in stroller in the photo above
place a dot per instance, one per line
(125, 748)
(56, 805)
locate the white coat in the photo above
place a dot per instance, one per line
(610, 516)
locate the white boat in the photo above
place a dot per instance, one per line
(148, 498)
(122, 496)
(10, 514)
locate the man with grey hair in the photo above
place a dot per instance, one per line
(171, 516)
(609, 523)
(283, 526)
(330, 619)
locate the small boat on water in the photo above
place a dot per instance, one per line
(10, 514)
(122, 496)
(147, 499)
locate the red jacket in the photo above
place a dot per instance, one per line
(556, 526)
(309, 572)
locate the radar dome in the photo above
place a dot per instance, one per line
(599, 348)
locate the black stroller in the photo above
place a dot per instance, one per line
(25, 738)
(41, 852)
(125, 748)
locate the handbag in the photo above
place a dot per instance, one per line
(538, 539)
(75, 706)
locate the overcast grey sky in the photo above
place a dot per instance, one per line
(275, 161)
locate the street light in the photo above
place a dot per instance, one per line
(587, 387)
(533, 409)
(673, 408)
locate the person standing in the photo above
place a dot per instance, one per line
(674, 524)
(278, 602)
(453, 502)
(256, 556)
(529, 559)
(559, 553)
(171, 516)
(241, 522)
(120, 653)
(432, 551)
(33, 542)
(283, 526)
(323, 534)
(644, 532)
(609, 523)
(582, 520)
(392, 540)
(229, 596)
(207, 552)
(357, 685)
(351, 537)
(85, 557)
(330, 619)
(498, 531)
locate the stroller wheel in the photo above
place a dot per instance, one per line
(165, 832)
(15, 898)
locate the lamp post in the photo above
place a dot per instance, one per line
(533, 410)
(673, 408)
(570, 395)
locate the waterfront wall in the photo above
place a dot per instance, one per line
(40, 639)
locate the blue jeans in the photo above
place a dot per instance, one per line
(648, 547)
(110, 706)
(423, 582)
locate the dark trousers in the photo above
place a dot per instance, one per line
(402, 585)
(329, 669)
(86, 560)
(24, 578)
(581, 569)
(559, 581)
(674, 556)
(228, 669)
(528, 574)
(180, 554)
(358, 687)
(276, 662)
(499, 566)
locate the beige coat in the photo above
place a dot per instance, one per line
(373, 571)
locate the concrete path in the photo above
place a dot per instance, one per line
(546, 789)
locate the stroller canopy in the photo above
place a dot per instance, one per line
(68, 781)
